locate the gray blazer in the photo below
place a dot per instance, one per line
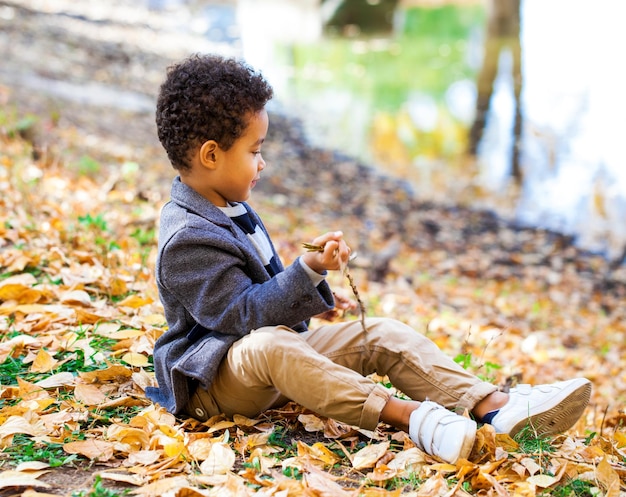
(215, 289)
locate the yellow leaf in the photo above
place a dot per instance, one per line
(134, 359)
(135, 301)
(153, 319)
(174, 448)
(608, 478)
(88, 394)
(12, 292)
(30, 391)
(136, 438)
(117, 287)
(620, 438)
(318, 452)
(117, 373)
(43, 362)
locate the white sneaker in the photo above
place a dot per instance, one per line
(442, 433)
(548, 409)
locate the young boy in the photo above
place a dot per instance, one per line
(238, 340)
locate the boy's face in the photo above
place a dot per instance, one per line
(239, 167)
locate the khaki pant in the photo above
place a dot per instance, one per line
(325, 371)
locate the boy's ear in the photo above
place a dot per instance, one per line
(208, 153)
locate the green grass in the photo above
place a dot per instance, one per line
(99, 490)
(24, 449)
(573, 488)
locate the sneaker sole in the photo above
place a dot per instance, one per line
(468, 445)
(561, 417)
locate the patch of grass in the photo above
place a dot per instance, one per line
(99, 490)
(410, 483)
(531, 443)
(11, 368)
(120, 414)
(25, 449)
(573, 488)
(467, 361)
(536, 446)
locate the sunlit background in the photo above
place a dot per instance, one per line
(517, 106)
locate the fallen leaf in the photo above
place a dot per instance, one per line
(96, 450)
(89, 394)
(369, 455)
(12, 478)
(220, 460)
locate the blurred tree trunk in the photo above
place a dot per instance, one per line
(503, 33)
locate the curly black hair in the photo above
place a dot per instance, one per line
(207, 97)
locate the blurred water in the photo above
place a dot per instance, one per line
(573, 103)
(575, 107)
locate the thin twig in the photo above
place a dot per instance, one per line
(362, 311)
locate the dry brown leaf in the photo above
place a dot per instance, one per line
(317, 452)
(323, 485)
(435, 486)
(220, 460)
(135, 438)
(116, 373)
(368, 456)
(143, 457)
(132, 479)
(19, 424)
(34, 493)
(162, 487)
(542, 481)
(311, 422)
(43, 362)
(76, 297)
(96, 450)
(33, 466)
(63, 379)
(11, 478)
(88, 394)
(608, 478)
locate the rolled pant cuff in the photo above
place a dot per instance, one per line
(373, 406)
(475, 394)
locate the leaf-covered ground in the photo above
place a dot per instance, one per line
(79, 315)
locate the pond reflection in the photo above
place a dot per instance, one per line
(532, 90)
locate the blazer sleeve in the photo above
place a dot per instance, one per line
(218, 278)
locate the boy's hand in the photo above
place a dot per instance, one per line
(343, 304)
(334, 253)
